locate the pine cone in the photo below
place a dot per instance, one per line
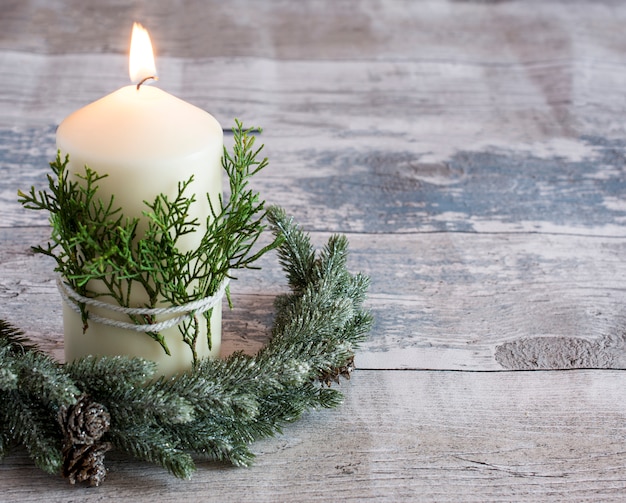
(85, 463)
(333, 376)
(83, 425)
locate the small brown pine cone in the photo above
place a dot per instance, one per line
(84, 422)
(83, 425)
(85, 463)
(333, 375)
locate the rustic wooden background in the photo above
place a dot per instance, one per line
(474, 154)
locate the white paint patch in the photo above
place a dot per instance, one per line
(533, 226)
(569, 149)
(614, 203)
(452, 217)
(433, 358)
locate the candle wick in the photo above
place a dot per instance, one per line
(154, 77)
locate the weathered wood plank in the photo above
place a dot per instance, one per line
(441, 301)
(432, 29)
(435, 104)
(538, 436)
(388, 190)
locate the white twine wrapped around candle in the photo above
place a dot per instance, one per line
(199, 306)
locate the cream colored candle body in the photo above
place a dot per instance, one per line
(146, 141)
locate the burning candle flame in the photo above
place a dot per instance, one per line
(141, 64)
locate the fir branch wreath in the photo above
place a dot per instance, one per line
(69, 415)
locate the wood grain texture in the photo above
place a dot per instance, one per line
(469, 437)
(474, 153)
(452, 301)
(278, 29)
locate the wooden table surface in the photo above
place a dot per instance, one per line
(474, 154)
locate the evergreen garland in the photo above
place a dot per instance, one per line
(214, 411)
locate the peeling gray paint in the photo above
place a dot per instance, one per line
(394, 191)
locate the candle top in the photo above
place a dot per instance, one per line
(147, 123)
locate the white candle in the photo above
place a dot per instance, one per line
(146, 141)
